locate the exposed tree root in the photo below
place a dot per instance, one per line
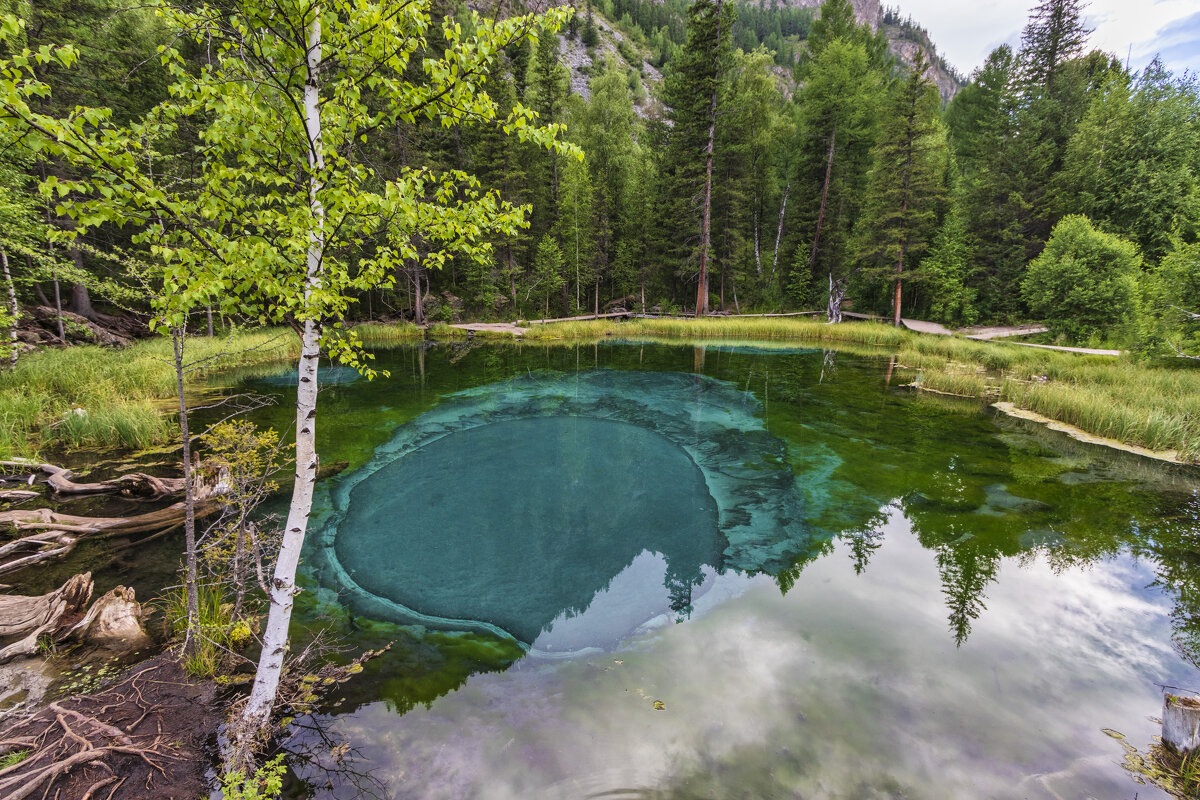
(142, 738)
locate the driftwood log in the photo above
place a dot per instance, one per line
(133, 484)
(113, 621)
(53, 535)
(43, 534)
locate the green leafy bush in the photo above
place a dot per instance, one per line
(1085, 283)
(265, 784)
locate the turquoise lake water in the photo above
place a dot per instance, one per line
(635, 570)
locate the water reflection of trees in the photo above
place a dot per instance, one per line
(1019, 501)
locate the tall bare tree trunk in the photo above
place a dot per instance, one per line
(81, 300)
(62, 336)
(706, 220)
(257, 713)
(14, 308)
(900, 263)
(779, 230)
(812, 257)
(191, 582)
(210, 320)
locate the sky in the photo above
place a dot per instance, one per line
(965, 32)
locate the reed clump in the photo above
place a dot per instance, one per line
(384, 333)
(760, 328)
(96, 397)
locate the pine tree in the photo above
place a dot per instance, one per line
(549, 86)
(754, 132)
(943, 270)
(691, 91)
(547, 277)
(1054, 35)
(907, 183)
(574, 227)
(835, 21)
(982, 126)
(590, 37)
(606, 134)
(838, 109)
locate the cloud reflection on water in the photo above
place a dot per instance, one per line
(850, 686)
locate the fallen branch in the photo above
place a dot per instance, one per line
(134, 483)
(59, 533)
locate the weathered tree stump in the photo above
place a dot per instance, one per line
(52, 614)
(1181, 723)
(114, 621)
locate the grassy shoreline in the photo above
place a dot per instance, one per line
(98, 397)
(125, 395)
(1135, 403)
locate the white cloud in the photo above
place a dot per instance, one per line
(965, 33)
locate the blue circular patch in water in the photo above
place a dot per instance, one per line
(516, 523)
(562, 510)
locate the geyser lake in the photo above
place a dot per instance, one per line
(645, 570)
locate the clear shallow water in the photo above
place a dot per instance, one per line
(834, 587)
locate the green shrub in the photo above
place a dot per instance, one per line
(1085, 282)
(265, 784)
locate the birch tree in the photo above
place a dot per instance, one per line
(279, 200)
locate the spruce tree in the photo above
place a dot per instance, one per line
(690, 90)
(1054, 35)
(838, 108)
(907, 183)
(590, 37)
(549, 86)
(982, 126)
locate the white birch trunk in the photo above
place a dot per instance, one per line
(757, 255)
(258, 708)
(192, 581)
(779, 230)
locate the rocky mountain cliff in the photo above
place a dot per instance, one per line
(905, 38)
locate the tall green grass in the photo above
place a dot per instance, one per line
(96, 397)
(761, 328)
(217, 632)
(378, 333)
